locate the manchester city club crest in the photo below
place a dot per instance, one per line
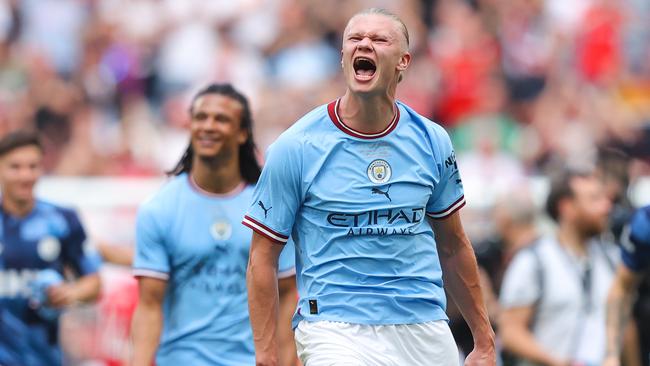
(221, 229)
(49, 248)
(379, 171)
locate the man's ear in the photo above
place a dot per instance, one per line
(242, 136)
(404, 62)
(565, 207)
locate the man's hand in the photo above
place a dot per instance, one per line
(262, 359)
(611, 360)
(61, 295)
(482, 356)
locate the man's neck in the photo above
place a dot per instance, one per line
(216, 176)
(17, 208)
(370, 114)
(572, 240)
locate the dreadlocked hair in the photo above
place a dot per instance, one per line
(249, 168)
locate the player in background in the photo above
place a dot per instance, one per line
(191, 250)
(41, 245)
(635, 248)
(369, 190)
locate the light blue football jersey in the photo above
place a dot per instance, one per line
(355, 206)
(195, 241)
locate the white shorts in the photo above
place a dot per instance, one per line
(326, 343)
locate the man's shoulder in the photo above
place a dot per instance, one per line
(314, 123)
(544, 249)
(50, 209)
(164, 197)
(432, 128)
(311, 121)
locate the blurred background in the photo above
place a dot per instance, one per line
(524, 87)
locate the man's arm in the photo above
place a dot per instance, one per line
(116, 254)
(460, 274)
(84, 289)
(262, 283)
(619, 304)
(147, 320)
(288, 301)
(518, 339)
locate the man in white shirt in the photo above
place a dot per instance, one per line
(554, 292)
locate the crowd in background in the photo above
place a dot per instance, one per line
(523, 86)
(520, 84)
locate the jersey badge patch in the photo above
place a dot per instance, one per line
(379, 171)
(221, 230)
(49, 248)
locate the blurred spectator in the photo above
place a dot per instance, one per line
(553, 294)
(52, 27)
(552, 76)
(466, 55)
(528, 43)
(599, 46)
(515, 218)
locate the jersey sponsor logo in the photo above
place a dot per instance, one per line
(376, 217)
(451, 161)
(266, 210)
(221, 229)
(213, 274)
(379, 171)
(15, 283)
(379, 191)
(49, 248)
(380, 231)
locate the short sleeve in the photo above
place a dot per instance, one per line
(74, 250)
(151, 257)
(448, 195)
(520, 283)
(635, 241)
(287, 261)
(277, 195)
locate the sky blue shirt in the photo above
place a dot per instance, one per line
(636, 242)
(356, 205)
(195, 241)
(49, 238)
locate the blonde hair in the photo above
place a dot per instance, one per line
(389, 14)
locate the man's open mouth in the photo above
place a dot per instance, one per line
(364, 67)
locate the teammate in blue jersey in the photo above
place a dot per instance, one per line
(369, 191)
(38, 241)
(192, 251)
(635, 248)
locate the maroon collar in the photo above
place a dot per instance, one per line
(332, 110)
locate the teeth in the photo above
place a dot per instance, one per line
(363, 59)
